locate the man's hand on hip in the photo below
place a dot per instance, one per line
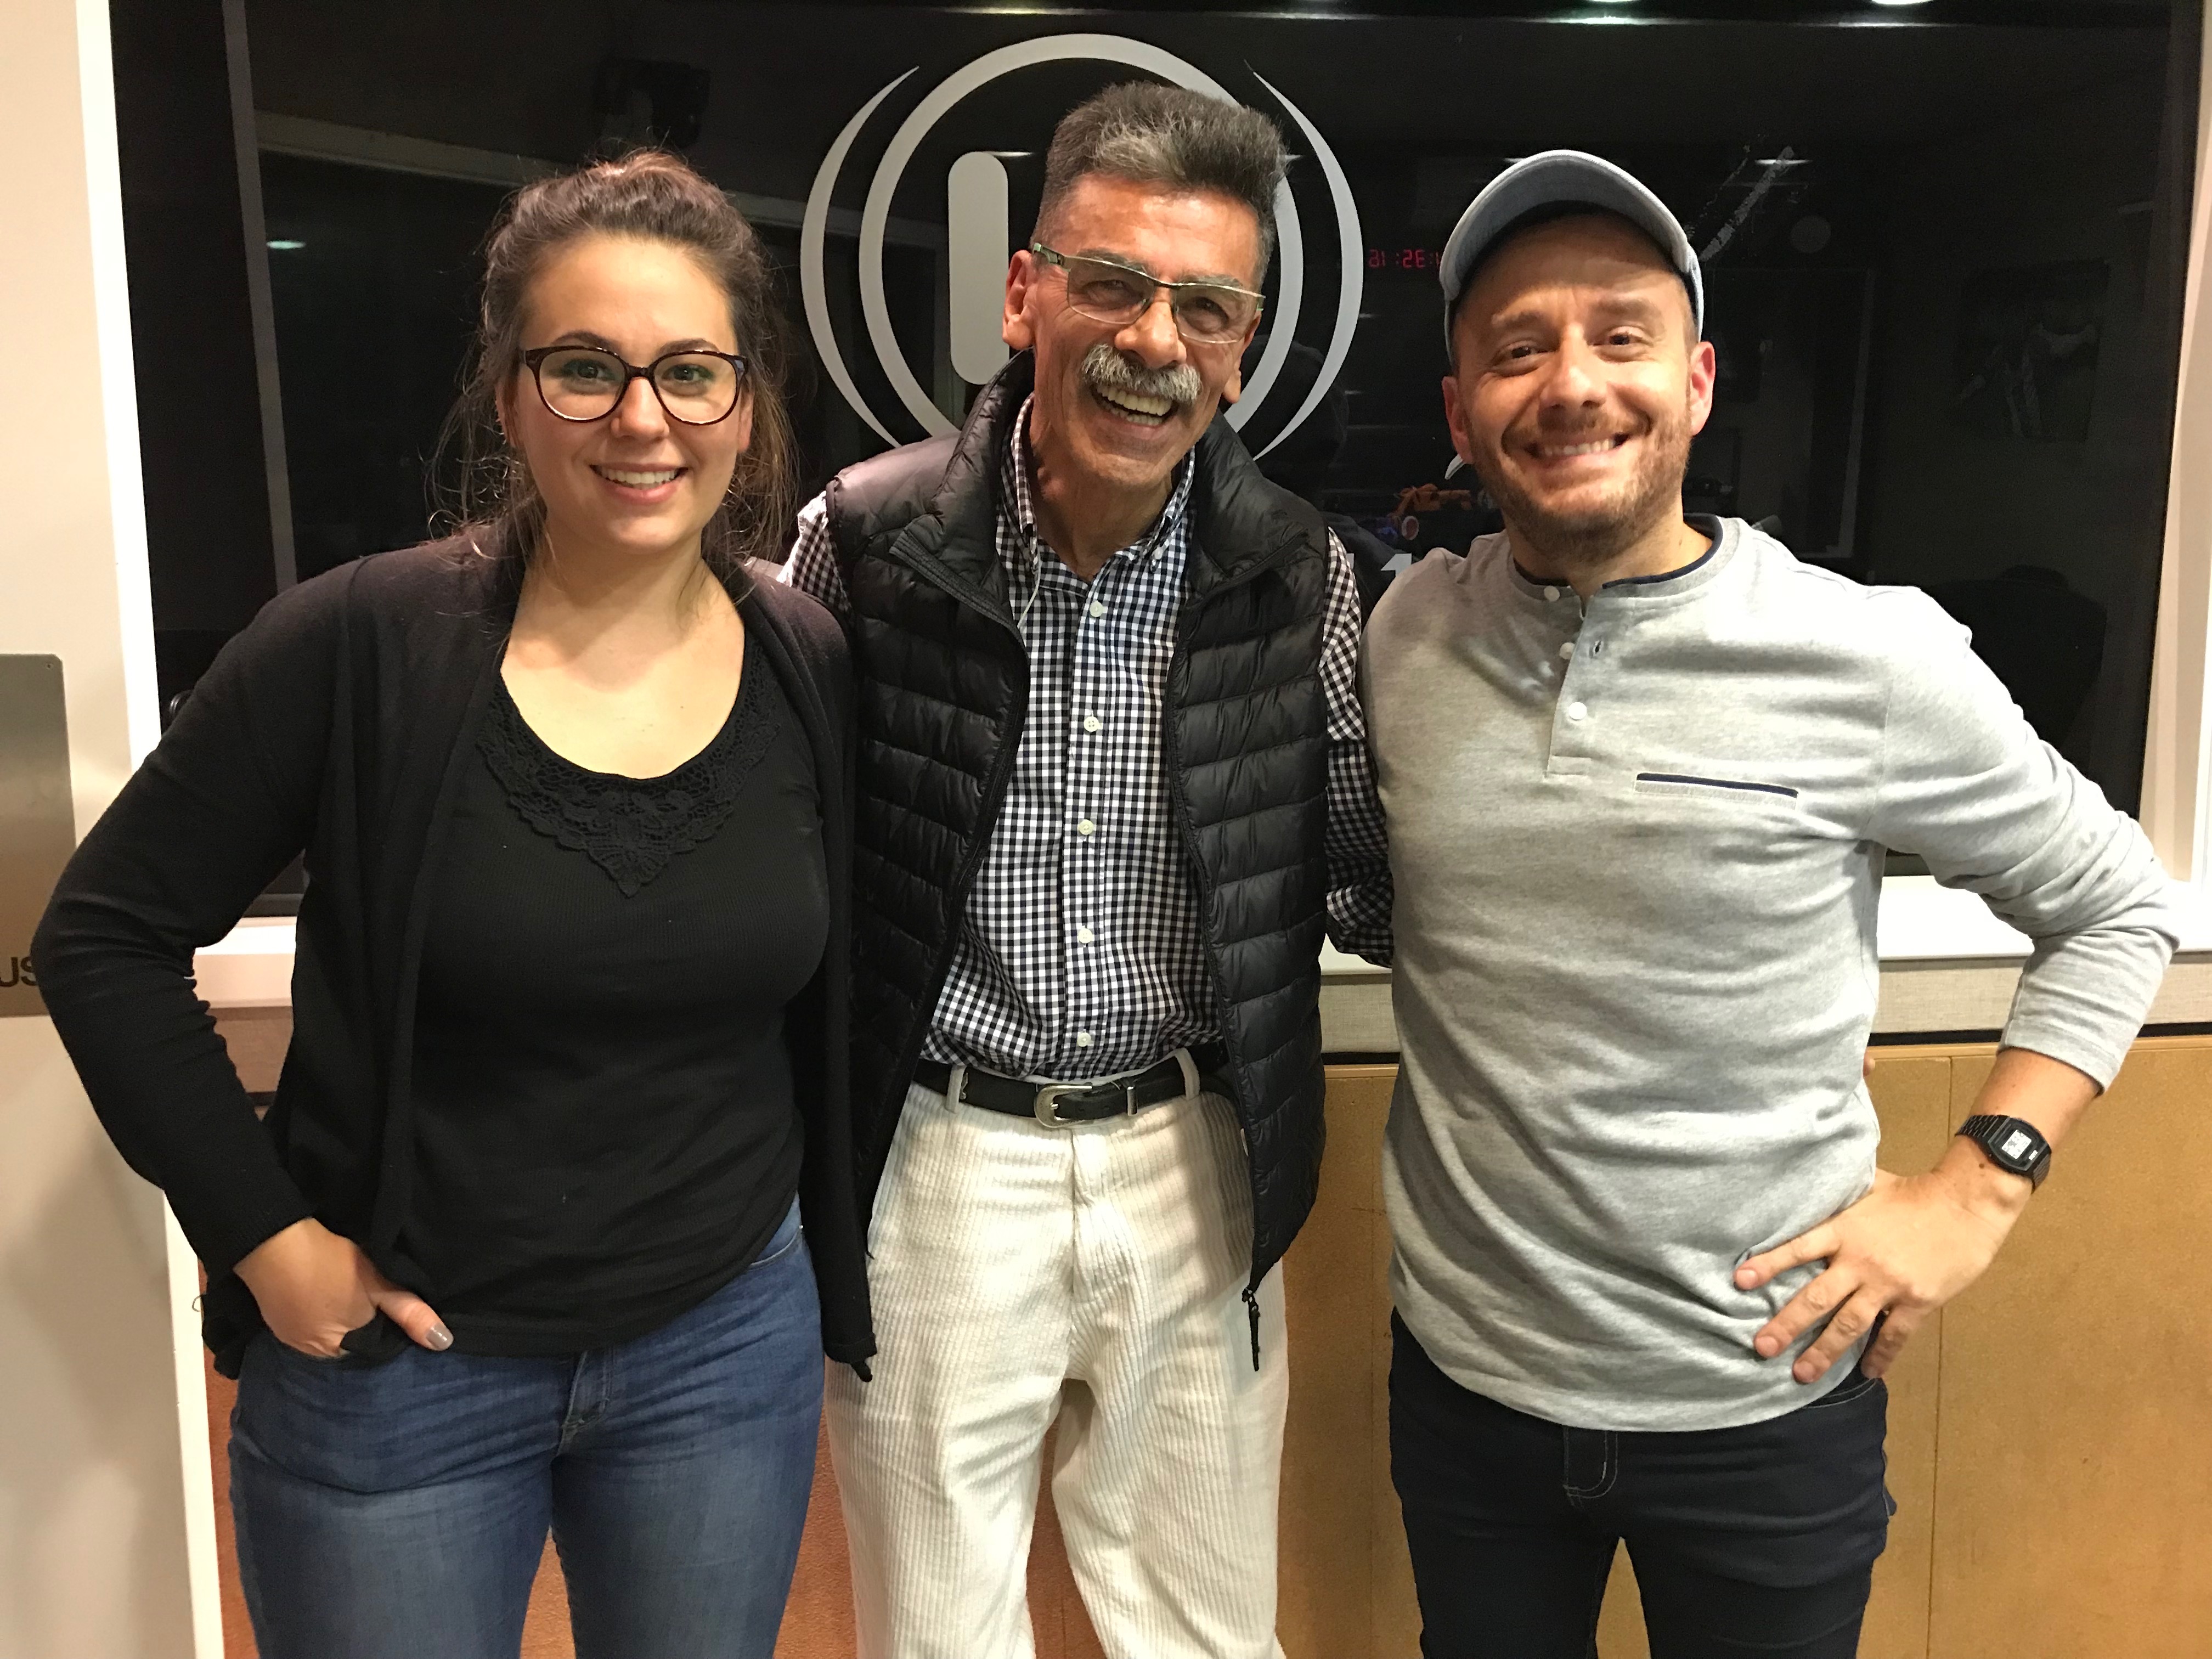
(1914, 1241)
(1905, 1249)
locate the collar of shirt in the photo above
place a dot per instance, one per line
(1018, 494)
(1719, 533)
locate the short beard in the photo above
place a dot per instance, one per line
(1588, 542)
(1105, 369)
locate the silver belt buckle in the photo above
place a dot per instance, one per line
(1046, 1097)
(1052, 1091)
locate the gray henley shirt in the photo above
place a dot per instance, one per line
(1637, 848)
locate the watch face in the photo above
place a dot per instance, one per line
(2017, 1145)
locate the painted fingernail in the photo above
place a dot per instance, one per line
(440, 1338)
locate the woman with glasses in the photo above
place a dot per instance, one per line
(519, 1246)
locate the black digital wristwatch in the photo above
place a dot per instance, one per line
(2012, 1144)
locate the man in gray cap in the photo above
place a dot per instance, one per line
(1639, 771)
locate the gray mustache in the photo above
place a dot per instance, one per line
(1108, 370)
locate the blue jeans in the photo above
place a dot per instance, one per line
(399, 1510)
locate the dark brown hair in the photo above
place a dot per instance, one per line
(656, 196)
(1154, 135)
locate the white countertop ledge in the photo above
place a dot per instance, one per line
(249, 967)
(1920, 922)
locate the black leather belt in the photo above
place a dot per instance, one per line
(1057, 1103)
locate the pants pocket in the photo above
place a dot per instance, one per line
(783, 1241)
(1852, 1389)
(418, 1419)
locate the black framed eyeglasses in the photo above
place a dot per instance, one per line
(1107, 291)
(584, 383)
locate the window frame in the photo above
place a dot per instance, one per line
(1919, 920)
(2177, 788)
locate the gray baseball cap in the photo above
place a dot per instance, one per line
(1562, 177)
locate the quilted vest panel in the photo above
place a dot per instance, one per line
(944, 685)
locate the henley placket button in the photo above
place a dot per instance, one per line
(1577, 711)
(1551, 592)
(1567, 647)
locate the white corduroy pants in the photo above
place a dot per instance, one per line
(1096, 1273)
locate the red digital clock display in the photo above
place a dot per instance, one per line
(1403, 258)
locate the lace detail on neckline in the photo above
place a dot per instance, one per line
(631, 828)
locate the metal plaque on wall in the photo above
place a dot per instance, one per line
(37, 826)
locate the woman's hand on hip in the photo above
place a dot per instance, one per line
(314, 1286)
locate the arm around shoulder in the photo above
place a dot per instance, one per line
(811, 566)
(1356, 846)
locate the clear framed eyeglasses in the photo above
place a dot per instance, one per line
(1107, 291)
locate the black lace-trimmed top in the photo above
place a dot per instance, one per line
(629, 827)
(605, 1126)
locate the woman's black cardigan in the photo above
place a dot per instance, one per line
(339, 723)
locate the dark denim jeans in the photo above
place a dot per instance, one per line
(1753, 1540)
(398, 1510)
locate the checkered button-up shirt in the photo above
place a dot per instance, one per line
(1081, 954)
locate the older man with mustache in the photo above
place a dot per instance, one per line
(1639, 770)
(1113, 787)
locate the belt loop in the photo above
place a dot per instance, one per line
(1191, 1085)
(954, 1085)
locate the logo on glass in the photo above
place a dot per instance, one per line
(978, 245)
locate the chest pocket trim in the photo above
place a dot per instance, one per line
(1716, 783)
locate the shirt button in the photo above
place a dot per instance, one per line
(1097, 609)
(1551, 592)
(1577, 711)
(1090, 722)
(1085, 826)
(1567, 647)
(1083, 1039)
(1083, 936)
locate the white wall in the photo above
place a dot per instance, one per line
(101, 1416)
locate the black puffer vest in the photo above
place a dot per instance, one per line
(943, 687)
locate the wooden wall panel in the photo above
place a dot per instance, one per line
(1913, 1093)
(2051, 1436)
(818, 1617)
(1397, 1613)
(1349, 1471)
(2073, 1516)
(1620, 1625)
(1334, 1437)
(256, 1039)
